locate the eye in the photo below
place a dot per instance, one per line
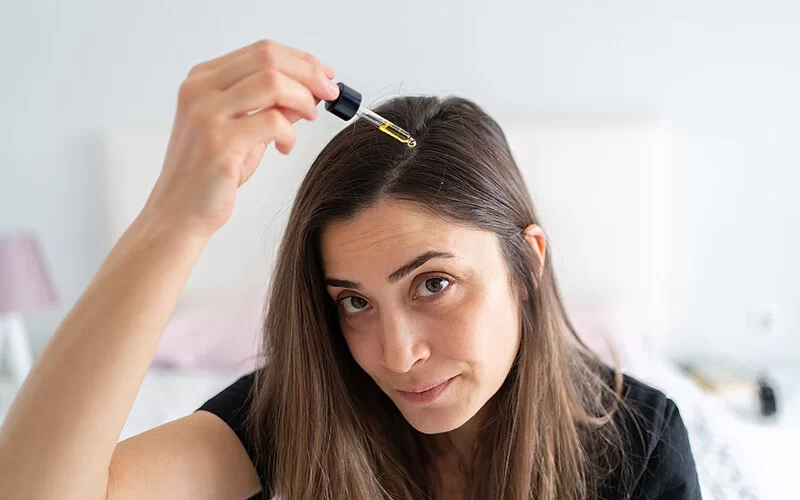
(353, 304)
(432, 286)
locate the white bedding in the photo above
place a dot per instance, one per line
(730, 452)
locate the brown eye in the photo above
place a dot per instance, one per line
(353, 304)
(358, 302)
(432, 286)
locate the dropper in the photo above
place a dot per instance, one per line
(348, 105)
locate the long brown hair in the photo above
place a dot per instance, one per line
(324, 430)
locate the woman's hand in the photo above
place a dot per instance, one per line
(218, 140)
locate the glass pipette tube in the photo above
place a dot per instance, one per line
(386, 126)
(348, 105)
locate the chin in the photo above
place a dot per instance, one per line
(435, 420)
(433, 425)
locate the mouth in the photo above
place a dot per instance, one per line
(425, 393)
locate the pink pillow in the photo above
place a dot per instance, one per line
(212, 336)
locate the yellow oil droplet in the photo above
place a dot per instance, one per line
(398, 133)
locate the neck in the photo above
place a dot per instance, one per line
(458, 446)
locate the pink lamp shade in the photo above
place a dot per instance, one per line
(25, 283)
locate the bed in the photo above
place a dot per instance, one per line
(587, 174)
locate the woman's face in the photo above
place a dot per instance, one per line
(427, 310)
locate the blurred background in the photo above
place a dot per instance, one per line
(86, 84)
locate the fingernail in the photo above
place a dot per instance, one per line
(334, 89)
(329, 72)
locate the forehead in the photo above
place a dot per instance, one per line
(391, 232)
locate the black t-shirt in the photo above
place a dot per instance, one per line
(660, 456)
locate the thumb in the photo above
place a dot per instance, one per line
(252, 160)
(291, 115)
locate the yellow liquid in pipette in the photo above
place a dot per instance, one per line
(399, 134)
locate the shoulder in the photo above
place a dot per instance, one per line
(659, 455)
(231, 404)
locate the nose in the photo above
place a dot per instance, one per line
(402, 347)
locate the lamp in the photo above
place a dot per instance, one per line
(25, 286)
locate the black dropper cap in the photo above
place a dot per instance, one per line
(346, 105)
(766, 395)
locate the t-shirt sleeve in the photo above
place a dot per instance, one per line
(670, 472)
(231, 406)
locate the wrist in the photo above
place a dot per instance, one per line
(154, 226)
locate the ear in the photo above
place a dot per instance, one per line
(537, 241)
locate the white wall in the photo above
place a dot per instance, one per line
(723, 73)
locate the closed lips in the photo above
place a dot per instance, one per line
(423, 388)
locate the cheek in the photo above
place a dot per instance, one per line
(483, 329)
(364, 350)
(458, 331)
(466, 328)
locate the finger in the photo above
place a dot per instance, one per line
(216, 62)
(252, 161)
(329, 72)
(299, 65)
(269, 125)
(268, 89)
(293, 116)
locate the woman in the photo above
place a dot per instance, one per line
(415, 340)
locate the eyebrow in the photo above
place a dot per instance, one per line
(397, 275)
